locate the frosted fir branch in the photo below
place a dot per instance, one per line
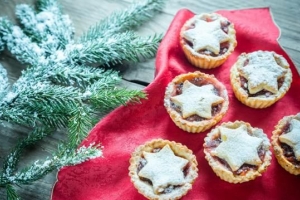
(45, 104)
(102, 50)
(134, 16)
(70, 157)
(117, 96)
(55, 90)
(83, 76)
(79, 125)
(4, 83)
(148, 45)
(11, 161)
(62, 27)
(50, 28)
(26, 16)
(64, 157)
(11, 193)
(117, 49)
(41, 103)
(76, 76)
(50, 5)
(19, 44)
(1, 44)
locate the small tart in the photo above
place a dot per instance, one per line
(163, 169)
(207, 40)
(286, 143)
(237, 152)
(196, 101)
(261, 78)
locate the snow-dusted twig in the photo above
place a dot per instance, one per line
(61, 87)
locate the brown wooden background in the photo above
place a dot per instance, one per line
(85, 13)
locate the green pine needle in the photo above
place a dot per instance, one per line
(11, 161)
(118, 48)
(59, 88)
(79, 125)
(11, 193)
(117, 96)
(66, 155)
(121, 21)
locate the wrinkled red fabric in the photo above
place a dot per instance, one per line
(127, 127)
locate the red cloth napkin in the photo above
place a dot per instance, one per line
(127, 127)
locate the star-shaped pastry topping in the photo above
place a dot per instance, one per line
(206, 35)
(238, 147)
(262, 72)
(292, 138)
(197, 100)
(163, 168)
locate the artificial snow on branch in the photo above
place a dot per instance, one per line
(125, 20)
(1, 45)
(61, 87)
(64, 156)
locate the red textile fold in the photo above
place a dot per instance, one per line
(127, 127)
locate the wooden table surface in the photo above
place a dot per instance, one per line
(88, 12)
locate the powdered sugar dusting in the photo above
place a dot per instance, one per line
(262, 71)
(197, 100)
(238, 147)
(164, 169)
(206, 35)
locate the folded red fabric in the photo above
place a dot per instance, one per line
(127, 127)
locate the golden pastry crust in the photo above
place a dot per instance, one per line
(145, 187)
(246, 172)
(202, 59)
(267, 98)
(195, 126)
(285, 162)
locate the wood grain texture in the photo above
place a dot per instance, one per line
(85, 14)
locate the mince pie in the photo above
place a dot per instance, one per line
(286, 143)
(196, 101)
(237, 152)
(260, 78)
(207, 40)
(162, 169)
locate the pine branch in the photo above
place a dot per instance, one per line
(134, 16)
(79, 125)
(117, 96)
(65, 156)
(58, 89)
(4, 84)
(1, 44)
(11, 161)
(19, 44)
(11, 193)
(51, 5)
(82, 76)
(26, 16)
(46, 104)
(117, 49)
(50, 27)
